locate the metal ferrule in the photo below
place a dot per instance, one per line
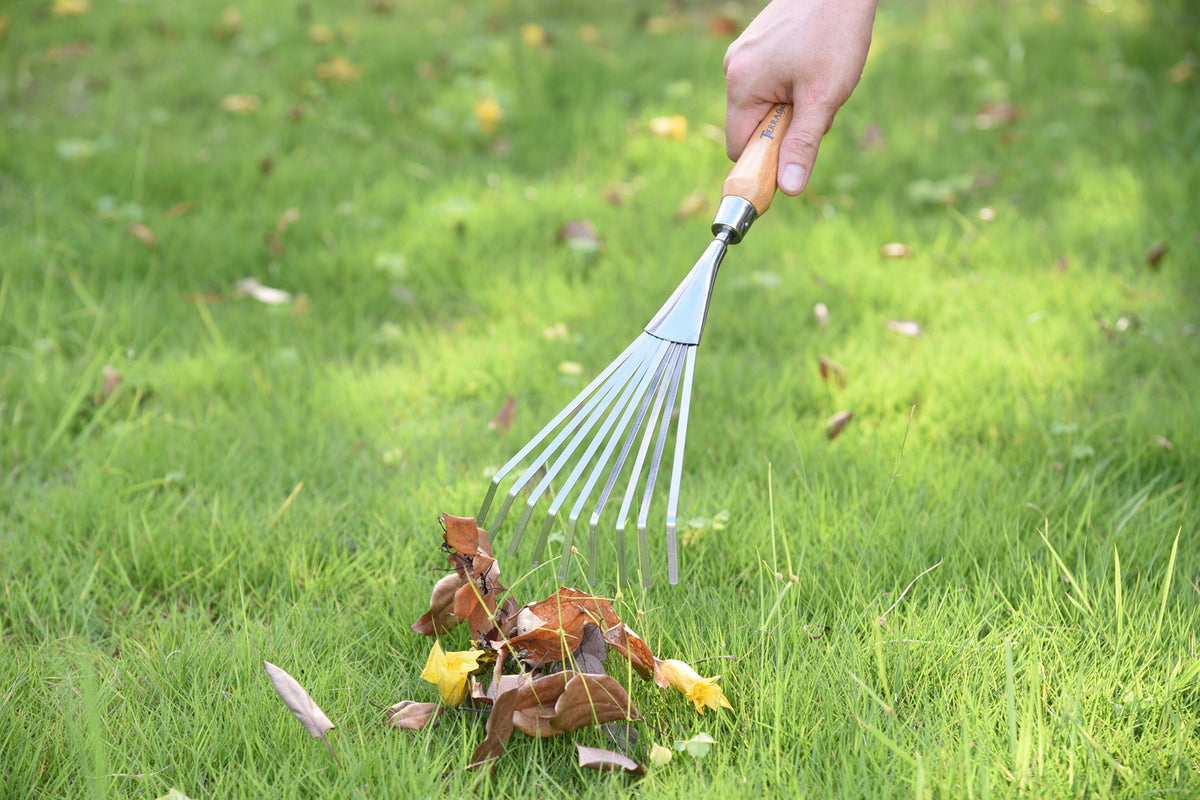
(736, 215)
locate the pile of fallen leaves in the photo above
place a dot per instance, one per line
(538, 668)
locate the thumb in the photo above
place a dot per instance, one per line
(798, 150)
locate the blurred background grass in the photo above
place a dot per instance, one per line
(1030, 157)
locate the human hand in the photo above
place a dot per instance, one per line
(809, 53)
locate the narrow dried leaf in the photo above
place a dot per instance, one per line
(1156, 253)
(832, 371)
(302, 706)
(905, 327)
(243, 104)
(110, 382)
(996, 113)
(286, 220)
(440, 617)
(607, 761)
(694, 204)
(502, 422)
(142, 233)
(413, 716)
(835, 424)
(263, 294)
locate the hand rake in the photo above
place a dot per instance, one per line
(637, 396)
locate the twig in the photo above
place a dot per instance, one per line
(883, 617)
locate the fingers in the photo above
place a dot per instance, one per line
(740, 124)
(798, 151)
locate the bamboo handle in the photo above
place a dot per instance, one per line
(753, 177)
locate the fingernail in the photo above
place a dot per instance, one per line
(793, 179)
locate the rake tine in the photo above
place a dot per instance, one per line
(636, 472)
(513, 462)
(629, 404)
(596, 410)
(594, 522)
(582, 422)
(652, 474)
(636, 383)
(685, 402)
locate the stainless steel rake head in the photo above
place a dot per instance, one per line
(634, 401)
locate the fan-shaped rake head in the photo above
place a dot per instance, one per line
(632, 402)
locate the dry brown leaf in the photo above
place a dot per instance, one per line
(142, 233)
(502, 422)
(567, 701)
(607, 761)
(414, 716)
(302, 706)
(244, 104)
(499, 729)
(179, 209)
(622, 639)
(440, 617)
(996, 113)
(580, 235)
(831, 370)
(462, 534)
(872, 138)
(1155, 254)
(835, 424)
(557, 626)
(286, 220)
(694, 204)
(1183, 71)
(110, 382)
(592, 652)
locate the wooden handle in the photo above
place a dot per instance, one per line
(753, 176)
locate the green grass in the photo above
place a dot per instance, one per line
(987, 586)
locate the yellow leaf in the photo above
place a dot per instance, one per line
(240, 104)
(450, 671)
(1183, 71)
(71, 8)
(533, 35)
(672, 127)
(338, 69)
(489, 113)
(320, 34)
(702, 692)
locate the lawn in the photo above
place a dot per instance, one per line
(987, 585)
